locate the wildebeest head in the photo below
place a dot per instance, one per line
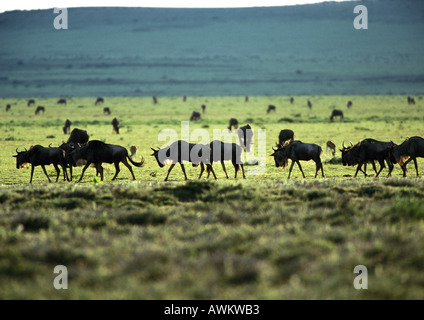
(160, 157)
(281, 156)
(349, 155)
(22, 159)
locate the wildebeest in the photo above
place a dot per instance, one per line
(336, 113)
(41, 156)
(68, 147)
(180, 151)
(195, 116)
(291, 100)
(296, 151)
(30, 102)
(223, 151)
(61, 101)
(309, 104)
(350, 157)
(99, 100)
(155, 100)
(78, 136)
(233, 123)
(331, 146)
(67, 127)
(106, 110)
(97, 152)
(349, 104)
(245, 135)
(184, 98)
(8, 106)
(409, 150)
(40, 109)
(270, 108)
(246, 99)
(285, 135)
(411, 100)
(203, 108)
(115, 124)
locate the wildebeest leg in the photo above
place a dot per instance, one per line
(391, 166)
(83, 170)
(404, 167)
(416, 166)
(45, 172)
(291, 167)
(318, 167)
(209, 166)
(242, 170)
(57, 171)
(125, 162)
(116, 170)
(225, 170)
(32, 173)
(202, 168)
(182, 168)
(99, 170)
(300, 167)
(359, 168)
(169, 171)
(382, 166)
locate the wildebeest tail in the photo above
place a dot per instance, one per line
(137, 164)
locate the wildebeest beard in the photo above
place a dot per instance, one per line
(281, 159)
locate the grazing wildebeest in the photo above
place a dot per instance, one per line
(296, 151)
(99, 100)
(349, 104)
(61, 101)
(8, 107)
(331, 146)
(309, 104)
(411, 100)
(233, 123)
(106, 110)
(195, 116)
(97, 152)
(40, 109)
(67, 127)
(245, 135)
(155, 100)
(203, 108)
(220, 151)
(409, 150)
(78, 136)
(30, 102)
(291, 100)
(285, 135)
(115, 124)
(41, 156)
(180, 151)
(336, 113)
(270, 108)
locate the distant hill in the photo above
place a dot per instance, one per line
(308, 49)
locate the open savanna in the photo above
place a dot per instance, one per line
(264, 237)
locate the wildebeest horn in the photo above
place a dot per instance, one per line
(274, 149)
(351, 143)
(344, 145)
(17, 150)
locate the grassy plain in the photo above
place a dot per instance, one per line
(265, 237)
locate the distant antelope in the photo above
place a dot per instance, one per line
(331, 147)
(133, 150)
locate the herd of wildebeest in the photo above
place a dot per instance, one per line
(79, 150)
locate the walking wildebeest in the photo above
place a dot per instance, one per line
(106, 110)
(115, 124)
(67, 126)
(336, 113)
(78, 136)
(96, 152)
(8, 107)
(41, 156)
(203, 108)
(349, 104)
(296, 151)
(195, 116)
(409, 150)
(245, 135)
(61, 101)
(309, 104)
(350, 157)
(180, 151)
(233, 123)
(99, 100)
(331, 146)
(284, 136)
(270, 108)
(155, 100)
(222, 151)
(30, 102)
(40, 109)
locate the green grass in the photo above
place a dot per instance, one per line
(264, 237)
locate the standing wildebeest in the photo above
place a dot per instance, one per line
(246, 99)
(96, 152)
(220, 151)
(245, 135)
(284, 136)
(106, 110)
(296, 151)
(270, 108)
(411, 100)
(40, 109)
(67, 126)
(309, 104)
(115, 124)
(349, 104)
(99, 100)
(78, 136)
(195, 116)
(184, 99)
(8, 107)
(30, 102)
(61, 101)
(155, 100)
(350, 156)
(408, 151)
(203, 108)
(331, 146)
(41, 156)
(180, 151)
(337, 113)
(233, 123)
(291, 100)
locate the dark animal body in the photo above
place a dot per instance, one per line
(106, 110)
(40, 109)
(155, 100)
(8, 107)
(309, 104)
(99, 100)
(203, 108)
(68, 147)
(337, 113)
(297, 151)
(411, 100)
(270, 108)
(291, 100)
(78, 136)
(245, 135)
(246, 99)
(97, 152)
(179, 151)
(61, 101)
(233, 124)
(349, 104)
(195, 116)
(67, 127)
(285, 135)
(409, 150)
(30, 102)
(42, 156)
(115, 124)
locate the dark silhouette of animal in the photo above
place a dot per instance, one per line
(411, 100)
(41, 156)
(336, 113)
(8, 106)
(40, 109)
(78, 136)
(67, 127)
(106, 110)
(245, 135)
(246, 99)
(184, 98)
(309, 104)
(179, 151)
(221, 151)
(297, 151)
(115, 124)
(97, 152)
(133, 150)
(61, 101)
(285, 135)
(331, 146)
(99, 100)
(270, 108)
(233, 123)
(68, 147)
(155, 100)
(30, 102)
(409, 150)
(195, 116)
(203, 108)
(291, 100)
(349, 104)
(350, 157)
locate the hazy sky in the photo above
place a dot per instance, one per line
(48, 4)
